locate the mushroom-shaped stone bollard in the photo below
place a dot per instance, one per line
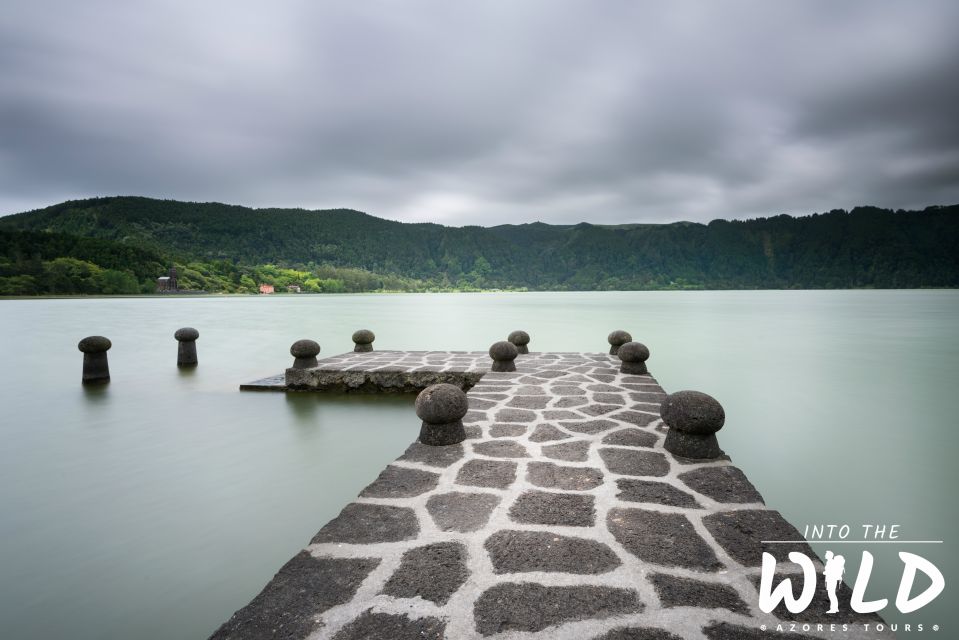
(304, 352)
(617, 339)
(363, 339)
(186, 352)
(503, 353)
(693, 419)
(95, 365)
(519, 339)
(441, 407)
(634, 356)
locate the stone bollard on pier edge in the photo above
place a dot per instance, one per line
(95, 365)
(503, 353)
(616, 339)
(304, 353)
(186, 352)
(693, 419)
(634, 356)
(363, 339)
(520, 340)
(441, 407)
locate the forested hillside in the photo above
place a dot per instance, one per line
(230, 248)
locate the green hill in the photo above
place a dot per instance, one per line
(231, 248)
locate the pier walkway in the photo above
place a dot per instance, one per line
(561, 516)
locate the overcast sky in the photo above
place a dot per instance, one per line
(484, 112)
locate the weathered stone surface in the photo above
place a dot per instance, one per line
(666, 539)
(363, 341)
(565, 509)
(188, 334)
(515, 415)
(616, 339)
(692, 446)
(553, 476)
(432, 572)
(576, 451)
(475, 416)
(674, 591)
(692, 412)
(567, 390)
(647, 397)
(400, 482)
(547, 433)
(506, 430)
(629, 462)
(304, 354)
(503, 354)
(531, 607)
(599, 409)
(442, 435)
(631, 438)
(519, 551)
(560, 414)
(433, 456)
(631, 490)
(501, 449)
(638, 633)
(635, 417)
(609, 398)
(520, 339)
(530, 390)
(497, 474)
(480, 404)
(634, 356)
(388, 626)
(604, 388)
(366, 523)
(303, 588)
(529, 402)
(722, 484)
(590, 426)
(727, 631)
(94, 344)
(460, 511)
(441, 403)
(740, 532)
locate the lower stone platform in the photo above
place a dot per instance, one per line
(561, 517)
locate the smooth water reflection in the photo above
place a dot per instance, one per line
(156, 505)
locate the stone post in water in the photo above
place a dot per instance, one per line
(186, 352)
(363, 339)
(304, 353)
(634, 356)
(441, 407)
(616, 339)
(693, 419)
(95, 365)
(519, 339)
(503, 353)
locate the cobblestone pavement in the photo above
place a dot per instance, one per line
(560, 516)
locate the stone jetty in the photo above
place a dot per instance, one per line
(560, 516)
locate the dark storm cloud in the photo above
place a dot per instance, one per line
(482, 113)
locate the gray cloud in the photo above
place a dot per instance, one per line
(484, 113)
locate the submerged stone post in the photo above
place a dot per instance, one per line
(95, 365)
(186, 352)
(519, 339)
(503, 353)
(617, 339)
(693, 419)
(304, 352)
(441, 407)
(634, 356)
(363, 339)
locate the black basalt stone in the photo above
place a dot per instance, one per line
(442, 408)
(400, 482)
(632, 462)
(519, 551)
(616, 339)
(549, 475)
(96, 367)
(692, 445)
(565, 509)
(363, 341)
(302, 589)
(360, 523)
(666, 539)
(501, 449)
(576, 451)
(693, 419)
(503, 354)
(633, 490)
(186, 334)
(496, 474)
(186, 349)
(638, 633)
(722, 484)
(433, 456)
(94, 344)
(728, 631)
(546, 433)
(741, 533)
(631, 438)
(520, 339)
(432, 572)
(390, 626)
(461, 511)
(532, 607)
(304, 353)
(634, 356)
(674, 591)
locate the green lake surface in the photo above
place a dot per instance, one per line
(157, 505)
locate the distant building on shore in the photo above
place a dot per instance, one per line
(266, 288)
(168, 282)
(293, 288)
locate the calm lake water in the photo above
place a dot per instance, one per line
(156, 506)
